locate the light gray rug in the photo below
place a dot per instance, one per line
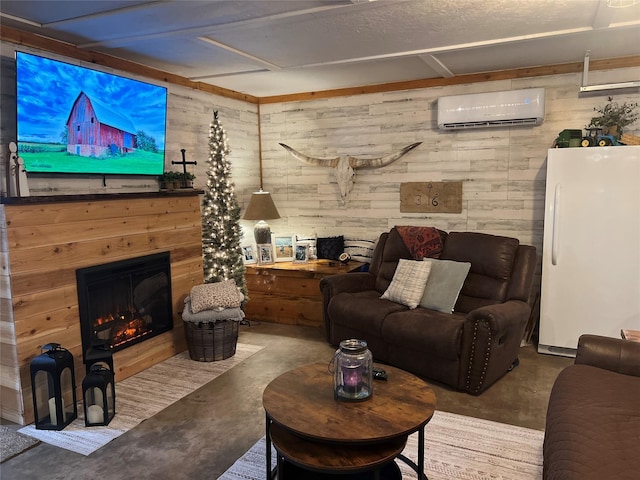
(456, 447)
(12, 442)
(170, 380)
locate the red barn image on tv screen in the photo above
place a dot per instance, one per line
(95, 130)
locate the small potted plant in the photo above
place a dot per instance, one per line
(187, 179)
(170, 180)
(164, 181)
(614, 117)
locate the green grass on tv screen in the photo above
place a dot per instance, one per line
(54, 158)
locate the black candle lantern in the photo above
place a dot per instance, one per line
(98, 354)
(99, 386)
(53, 387)
(99, 395)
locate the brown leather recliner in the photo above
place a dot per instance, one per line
(468, 349)
(593, 419)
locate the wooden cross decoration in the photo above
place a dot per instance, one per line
(184, 162)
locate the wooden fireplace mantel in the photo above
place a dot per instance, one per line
(41, 199)
(44, 240)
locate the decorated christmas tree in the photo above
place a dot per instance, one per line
(221, 232)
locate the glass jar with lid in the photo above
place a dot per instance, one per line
(352, 371)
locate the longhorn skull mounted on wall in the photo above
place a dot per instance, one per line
(344, 167)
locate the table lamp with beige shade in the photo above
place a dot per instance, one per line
(261, 208)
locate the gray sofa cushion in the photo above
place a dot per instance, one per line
(446, 278)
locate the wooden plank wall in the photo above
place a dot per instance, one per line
(44, 244)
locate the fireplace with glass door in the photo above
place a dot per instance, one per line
(125, 302)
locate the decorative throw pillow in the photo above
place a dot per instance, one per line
(360, 250)
(444, 284)
(407, 285)
(330, 247)
(421, 241)
(209, 296)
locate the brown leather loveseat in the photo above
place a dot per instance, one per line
(593, 418)
(468, 349)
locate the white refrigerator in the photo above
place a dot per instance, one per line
(591, 247)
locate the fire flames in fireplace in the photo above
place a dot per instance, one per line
(122, 327)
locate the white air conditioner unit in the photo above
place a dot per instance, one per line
(495, 109)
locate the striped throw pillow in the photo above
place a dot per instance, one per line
(409, 280)
(360, 250)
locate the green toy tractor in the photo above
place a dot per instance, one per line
(596, 137)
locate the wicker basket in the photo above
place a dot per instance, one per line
(211, 341)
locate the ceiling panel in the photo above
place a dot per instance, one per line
(187, 18)
(328, 78)
(46, 11)
(529, 53)
(189, 58)
(389, 27)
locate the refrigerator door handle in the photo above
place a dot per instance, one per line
(555, 232)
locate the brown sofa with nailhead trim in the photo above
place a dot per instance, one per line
(468, 349)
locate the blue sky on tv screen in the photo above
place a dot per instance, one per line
(47, 89)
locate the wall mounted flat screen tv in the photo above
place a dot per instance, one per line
(73, 119)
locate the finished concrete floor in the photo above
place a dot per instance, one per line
(203, 434)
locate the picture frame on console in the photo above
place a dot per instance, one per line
(265, 254)
(282, 247)
(249, 255)
(301, 252)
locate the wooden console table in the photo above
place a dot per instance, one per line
(289, 293)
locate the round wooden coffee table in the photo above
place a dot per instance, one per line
(313, 431)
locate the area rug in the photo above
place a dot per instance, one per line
(456, 447)
(13, 443)
(170, 381)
